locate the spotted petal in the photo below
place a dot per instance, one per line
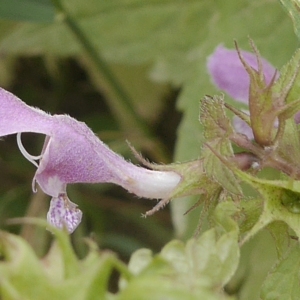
(63, 213)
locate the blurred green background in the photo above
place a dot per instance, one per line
(132, 70)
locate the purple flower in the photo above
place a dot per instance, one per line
(72, 154)
(228, 74)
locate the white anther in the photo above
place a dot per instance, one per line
(28, 156)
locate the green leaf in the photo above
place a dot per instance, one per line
(41, 11)
(139, 260)
(283, 280)
(196, 270)
(281, 202)
(217, 129)
(250, 211)
(216, 170)
(287, 87)
(164, 24)
(212, 258)
(59, 275)
(212, 115)
(258, 256)
(289, 143)
(287, 74)
(281, 236)
(223, 216)
(153, 287)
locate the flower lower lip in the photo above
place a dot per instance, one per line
(63, 213)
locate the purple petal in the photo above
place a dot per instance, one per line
(63, 213)
(16, 116)
(72, 153)
(297, 117)
(241, 126)
(229, 75)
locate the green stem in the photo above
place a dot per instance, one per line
(93, 54)
(122, 268)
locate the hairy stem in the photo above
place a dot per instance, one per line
(268, 156)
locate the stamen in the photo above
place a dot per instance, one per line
(33, 185)
(28, 156)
